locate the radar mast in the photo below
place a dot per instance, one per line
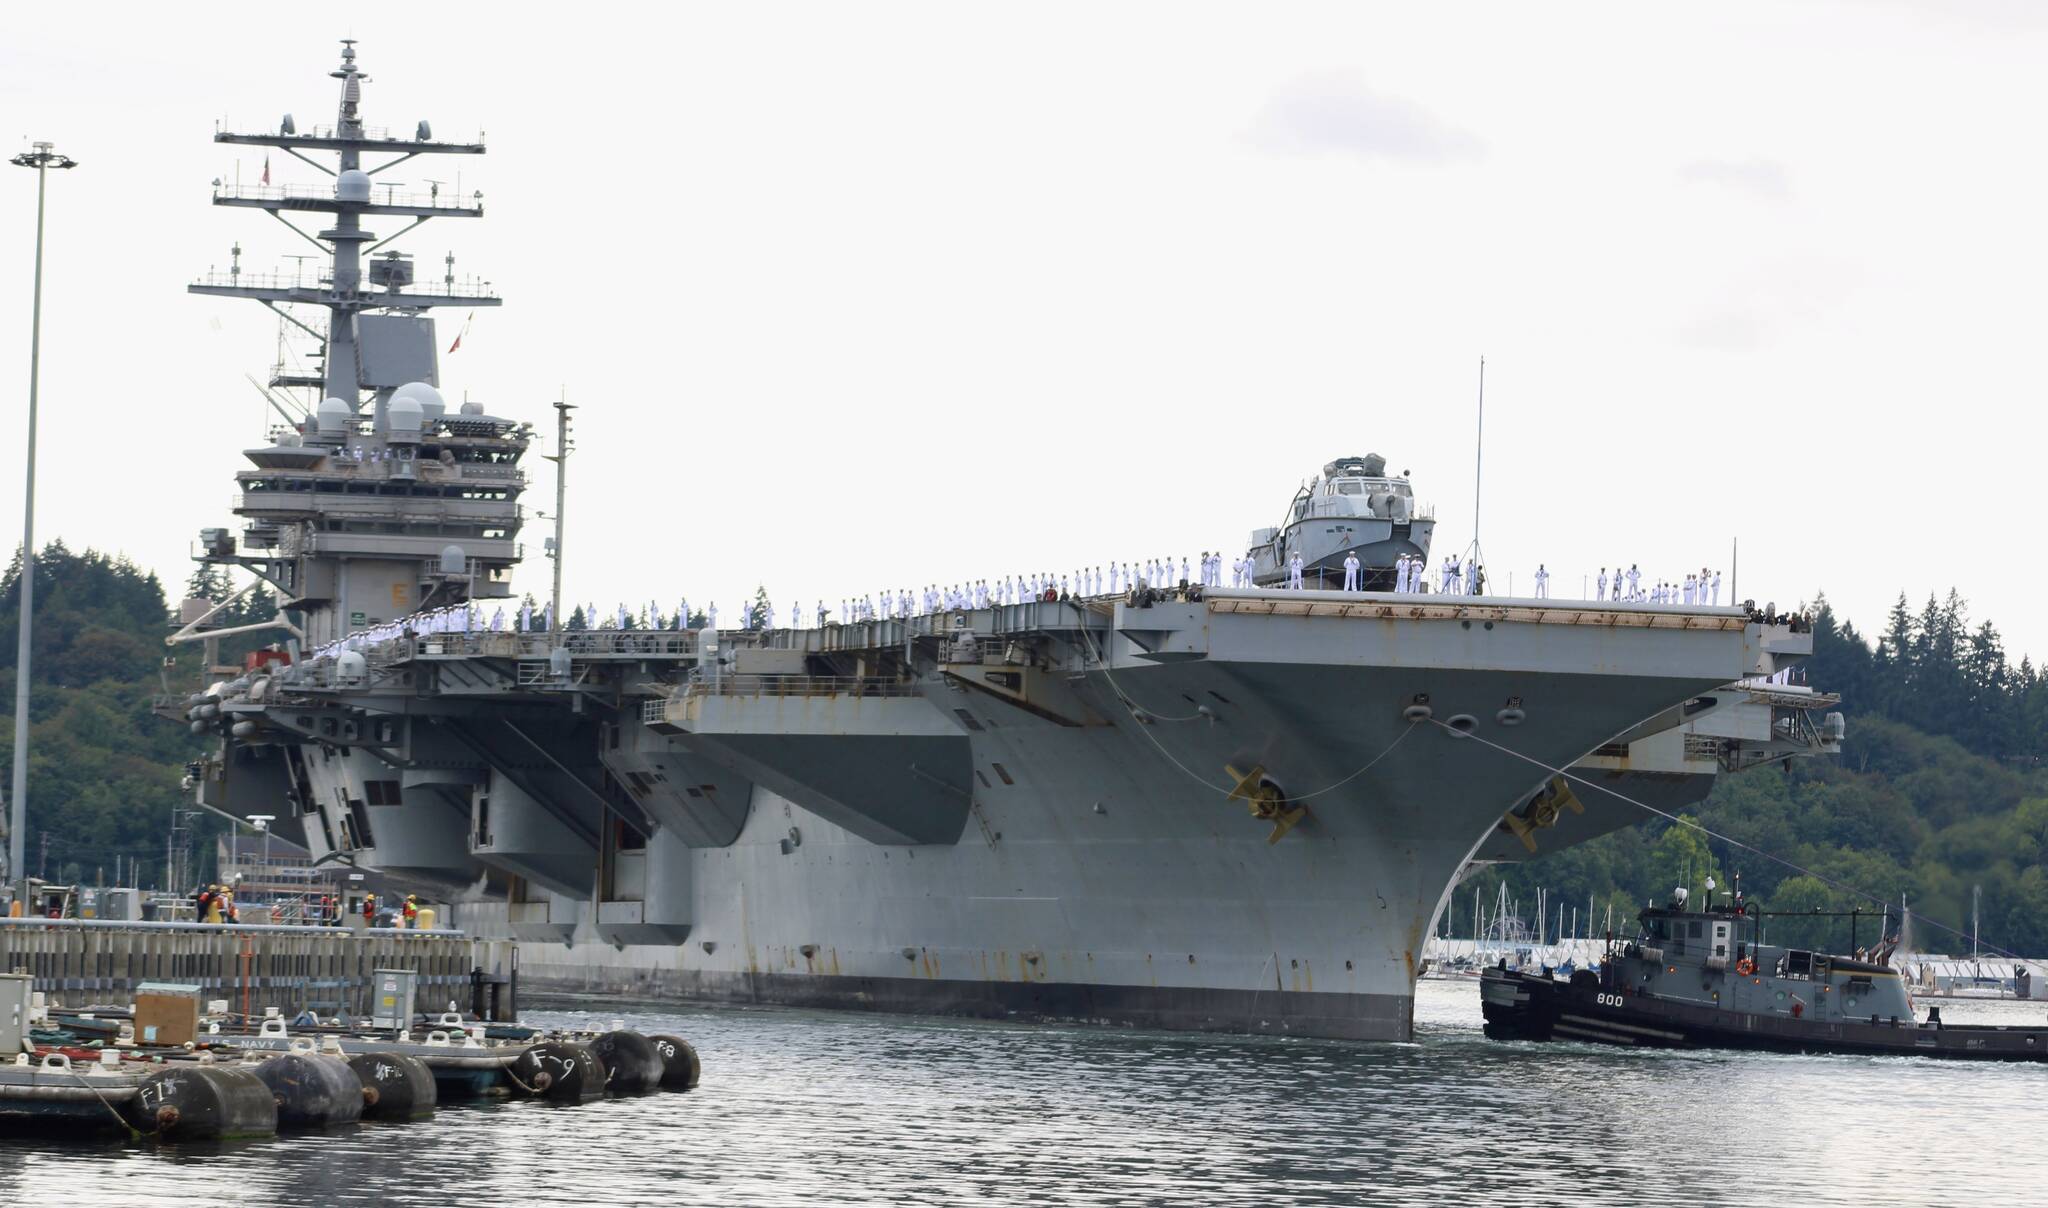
(360, 518)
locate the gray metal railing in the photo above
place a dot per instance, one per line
(77, 961)
(798, 685)
(380, 194)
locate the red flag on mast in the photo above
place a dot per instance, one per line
(465, 331)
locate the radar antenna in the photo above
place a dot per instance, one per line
(379, 500)
(351, 289)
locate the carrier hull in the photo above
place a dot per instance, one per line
(1102, 873)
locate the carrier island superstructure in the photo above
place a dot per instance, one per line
(1228, 809)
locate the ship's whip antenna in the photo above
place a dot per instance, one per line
(1478, 463)
(275, 405)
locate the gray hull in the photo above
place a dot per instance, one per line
(1095, 879)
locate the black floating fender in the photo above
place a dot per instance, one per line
(632, 1062)
(396, 1086)
(204, 1103)
(679, 1062)
(312, 1090)
(562, 1071)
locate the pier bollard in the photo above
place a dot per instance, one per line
(396, 1086)
(680, 1067)
(561, 1071)
(630, 1061)
(312, 1090)
(204, 1103)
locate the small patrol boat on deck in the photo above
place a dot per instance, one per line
(1701, 979)
(1353, 507)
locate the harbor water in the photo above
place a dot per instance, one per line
(807, 1108)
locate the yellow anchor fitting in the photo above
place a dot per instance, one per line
(1265, 800)
(1542, 811)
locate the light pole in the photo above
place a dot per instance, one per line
(42, 159)
(262, 824)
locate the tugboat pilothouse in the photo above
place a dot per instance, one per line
(1701, 979)
(1353, 507)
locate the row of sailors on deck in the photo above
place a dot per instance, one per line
(1017, 589)
(455, 618)
(1627, 587)
(1411, 575)
(1456, 577)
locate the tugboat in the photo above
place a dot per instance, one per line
(1701, 979)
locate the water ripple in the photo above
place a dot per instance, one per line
(805, 1109)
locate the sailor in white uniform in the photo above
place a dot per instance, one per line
(1716, 589)
(1542, 582)
(1472, 577)
(1351, 572)
(1600, 585)
(1294, 571)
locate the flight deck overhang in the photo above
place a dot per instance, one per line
(875, 757)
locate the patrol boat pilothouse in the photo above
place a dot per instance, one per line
(1215, 808)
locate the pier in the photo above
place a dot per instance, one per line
(78, 962)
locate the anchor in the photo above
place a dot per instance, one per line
(1543, 810)
(1267, 802)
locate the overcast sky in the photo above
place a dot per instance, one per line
(866, 296)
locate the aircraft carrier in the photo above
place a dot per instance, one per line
(1182, 805)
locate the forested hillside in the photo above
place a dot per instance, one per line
(103, 772)
(1939, 788)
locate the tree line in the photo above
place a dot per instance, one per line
(1939, 791)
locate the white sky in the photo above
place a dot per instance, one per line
(856, 296)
